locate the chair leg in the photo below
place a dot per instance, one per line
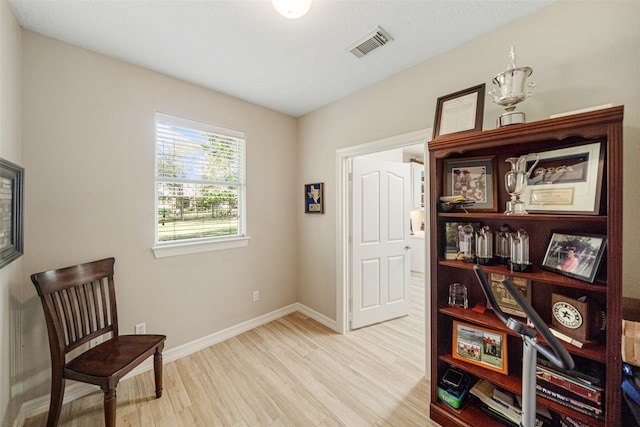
(110, 407)
(57, 394)
(157, 371)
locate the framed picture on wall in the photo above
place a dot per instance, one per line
(314, 198)
(11, 211)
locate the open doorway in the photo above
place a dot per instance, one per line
(344, 251)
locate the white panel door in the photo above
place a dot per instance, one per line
(381, 258)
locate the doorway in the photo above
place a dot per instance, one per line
(381, 252)
(344, 159)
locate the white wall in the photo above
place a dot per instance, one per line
(88, 132)
(11, 290)
(582, 54)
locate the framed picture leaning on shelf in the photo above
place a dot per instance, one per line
(459, 112)
(568, 180)
(480, 346)
(575, 255)
(504, 299)
(457, 242)
(473, 178)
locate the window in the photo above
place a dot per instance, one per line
(200, 184)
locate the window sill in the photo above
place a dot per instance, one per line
(176, 249)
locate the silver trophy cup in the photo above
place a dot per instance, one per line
(512, 89)
(515, 182)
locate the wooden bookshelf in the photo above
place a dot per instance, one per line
(604, 126)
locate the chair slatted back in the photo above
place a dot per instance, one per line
(79, 303)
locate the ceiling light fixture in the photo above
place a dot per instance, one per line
(292, 9)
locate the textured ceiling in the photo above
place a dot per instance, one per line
(245, 49)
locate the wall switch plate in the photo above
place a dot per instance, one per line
(256, 295)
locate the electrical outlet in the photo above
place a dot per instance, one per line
(256, 295)
(94, 342)
(141, 328)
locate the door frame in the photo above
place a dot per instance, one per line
(343, 212)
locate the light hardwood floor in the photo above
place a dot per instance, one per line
(290, 372)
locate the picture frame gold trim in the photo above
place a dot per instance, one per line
(460, 112)
(480, 346)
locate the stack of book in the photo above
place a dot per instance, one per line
(502, 405)
(573, 389)
(567, 421)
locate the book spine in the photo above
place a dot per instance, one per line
(585, 377)
(570, 422)
(569, 402)
(572, 397)
(569, 384)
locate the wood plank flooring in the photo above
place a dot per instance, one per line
(290, 372)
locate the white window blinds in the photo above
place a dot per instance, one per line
(200, 181)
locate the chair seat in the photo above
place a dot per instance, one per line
(113, 356)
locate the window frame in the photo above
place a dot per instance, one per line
(169, 248)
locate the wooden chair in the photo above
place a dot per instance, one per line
(79, 305)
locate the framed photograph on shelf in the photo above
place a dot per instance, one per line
(11, 211)
(314, 198)
(457, 242)
(575, 255)
(479, 346)
(474, 179)
(503, 297)
(568, 180)
(459, 112)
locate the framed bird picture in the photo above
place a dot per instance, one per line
(314, 198)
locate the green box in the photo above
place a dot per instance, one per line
(450, 399)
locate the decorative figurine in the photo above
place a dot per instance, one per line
(520, 251)
(468, 255)
(503, 245)
(484, 246)
(458, 295)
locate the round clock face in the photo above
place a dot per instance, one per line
(567, 315)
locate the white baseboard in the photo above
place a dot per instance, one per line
(318, 317)
(75, 390)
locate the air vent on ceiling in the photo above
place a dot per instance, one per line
(371, 41)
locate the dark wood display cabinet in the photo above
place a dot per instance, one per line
(603, 126)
